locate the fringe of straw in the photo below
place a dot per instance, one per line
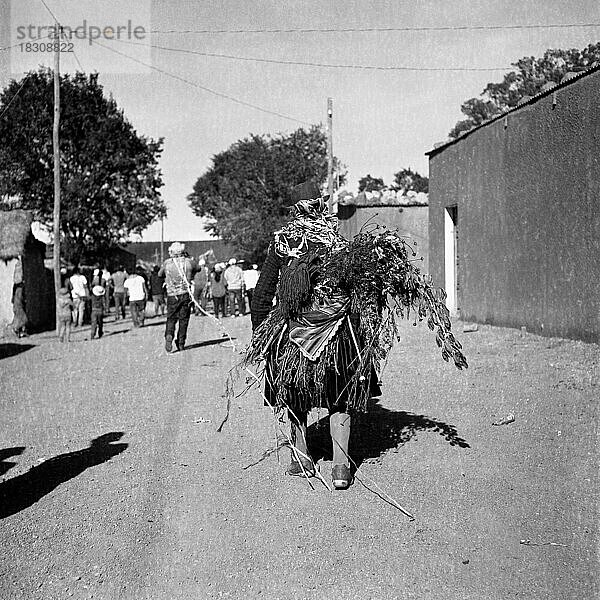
(381, 493)
(298, 454)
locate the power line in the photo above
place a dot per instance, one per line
(30, 40)
(51, 13)
(13, 46)
(78, 61)
(380, 29)
(311, 64)
(204, 88)
(14, 96)
(60, 28)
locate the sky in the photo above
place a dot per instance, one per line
(383, 120)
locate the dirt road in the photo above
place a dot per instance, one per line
(116, 485)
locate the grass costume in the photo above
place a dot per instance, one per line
(334, 321)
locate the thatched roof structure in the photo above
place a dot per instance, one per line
(15, 227)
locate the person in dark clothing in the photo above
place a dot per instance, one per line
(322, 344)
(97, 311)
(119, 277)
(157, 290)
(218, 290)
(319, 333)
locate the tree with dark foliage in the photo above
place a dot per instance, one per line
(370, 184)
(527, 79)
(110, 179)
(247, 190)
(408, 180)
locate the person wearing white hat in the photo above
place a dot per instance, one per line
(218, 290)
(97, 311)
(178, 271)
(234, 276)
(200, 287)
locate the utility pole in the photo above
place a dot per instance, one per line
(56, 149)
(330, 152)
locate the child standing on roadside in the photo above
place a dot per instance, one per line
(64, 305)
(97, 311)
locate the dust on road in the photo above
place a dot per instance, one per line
(116, 485)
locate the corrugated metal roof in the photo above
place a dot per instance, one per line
(532, 100)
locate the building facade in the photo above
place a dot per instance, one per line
(514, 215)
(405, 216)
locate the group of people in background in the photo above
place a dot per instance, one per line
(81, 295)
(228, 285)
(179, 287)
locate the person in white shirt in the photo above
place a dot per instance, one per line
(107, 285)
(234, 278)
(135, 287)
(79, 293)
(250, 281)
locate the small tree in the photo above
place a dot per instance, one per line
(527, 79)
(110, 179)
(247, 190)
(370, 184)
(408, 180)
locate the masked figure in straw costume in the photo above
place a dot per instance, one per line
(334, 321)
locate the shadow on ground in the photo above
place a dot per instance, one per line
(220, 340)
(378, 431)
(116, 332)
(151, 324)
(24, 490)
(9, 349)
(6, 465)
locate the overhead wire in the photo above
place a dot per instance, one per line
(203, 87)
(18, 44)
(31, 39)
(380, 29)
(23, 82)
(60, 27)
(310, 64)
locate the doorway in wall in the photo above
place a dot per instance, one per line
(451, 258)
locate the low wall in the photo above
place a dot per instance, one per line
(410, 222)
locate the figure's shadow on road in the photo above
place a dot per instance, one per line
(116, 332)
(153, 324)
(8, 350)
(221, 340)
(6, 465)
(24, 490)
(378, 431)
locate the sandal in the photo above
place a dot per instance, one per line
(306, 469)
(341, 476)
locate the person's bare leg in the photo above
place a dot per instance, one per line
(339, 428)
(298, 427)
